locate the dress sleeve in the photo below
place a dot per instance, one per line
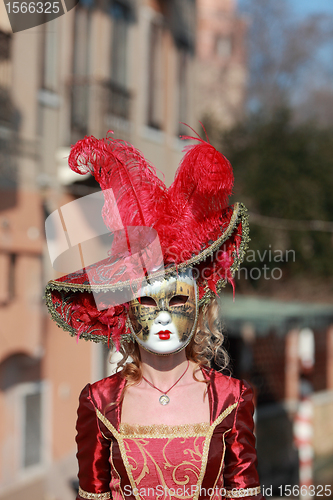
(93, 452)
(241, 478)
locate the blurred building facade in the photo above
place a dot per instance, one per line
(125, 65)
(285, 351)
(221, 62)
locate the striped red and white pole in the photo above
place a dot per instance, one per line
(303, 436)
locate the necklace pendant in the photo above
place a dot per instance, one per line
(164, 399)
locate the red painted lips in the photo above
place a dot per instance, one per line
(164, 335)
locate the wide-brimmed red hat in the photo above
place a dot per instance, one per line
(157, 232)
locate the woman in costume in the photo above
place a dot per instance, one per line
(166, 426)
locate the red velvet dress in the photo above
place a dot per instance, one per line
(195, 461)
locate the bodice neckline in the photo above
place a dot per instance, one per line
(138, 429)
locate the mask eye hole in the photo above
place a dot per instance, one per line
(178, 300)
(147, 301)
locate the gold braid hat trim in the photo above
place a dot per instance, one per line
(239, 215)
(242, 492)
(94, 496)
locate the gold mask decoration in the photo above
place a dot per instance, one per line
(164, 318)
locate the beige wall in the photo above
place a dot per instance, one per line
(221, 62)
(68, 368)
(323, 423)
(20, 314)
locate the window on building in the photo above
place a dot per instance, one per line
(4, 282)
(183, 88)
(80, 85)
(32, 426)
(8, 277)
(5, 77)
(50, 68)
(156, 77)
(24, 411)
(8, 122)
(5, 41)
(12, 276)
(82, 46)
(117, 94)
(121, 16)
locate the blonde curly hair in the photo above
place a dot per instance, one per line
(206, 346)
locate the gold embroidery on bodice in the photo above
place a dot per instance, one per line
(162, 430)
(171, 458)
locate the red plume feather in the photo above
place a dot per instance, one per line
(116, 164)
(185, 216)
(198, 195)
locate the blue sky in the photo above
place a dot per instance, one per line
(305, 7)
